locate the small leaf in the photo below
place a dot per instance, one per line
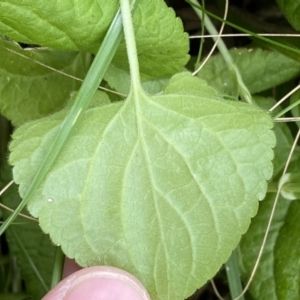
(264, 282)
(119, 79)
(296, 110)
(81, 25)
(29, 91)
(291, 10)
(284, 138)
(290, 186)
(277, 277)
(286, 256)
(153, 185)
(260, 70)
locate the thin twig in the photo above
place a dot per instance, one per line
(216, 290)
(62, 72)
(285, 97)
(6, 187)
(11, 210)
(243, 35)
(216, 41)
(295, 119)
(20, 214)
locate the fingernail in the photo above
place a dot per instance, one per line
(99, 283)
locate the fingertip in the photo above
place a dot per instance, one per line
(99, 283)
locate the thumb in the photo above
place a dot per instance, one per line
(99, 283)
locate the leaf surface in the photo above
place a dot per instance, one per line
(30, 91)
(119, 79)
(38, 246)
(273, 280)
(277, 277)
(153, 185)
(81, 25)
(291, 10)
(264, 283)
(260, 70)
(284, 138)
(296, 110)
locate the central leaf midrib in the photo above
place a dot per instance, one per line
(140, 96)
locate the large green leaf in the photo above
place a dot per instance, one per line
(260, 70)
(162, 187)
(81, 25)
(38, 250)
(28, 90)
(291, 10)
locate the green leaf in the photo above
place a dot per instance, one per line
(13, 296)
(290, 186)
(296, 110)
(291, 10)
(264, 285)
(278, 273)
(284, 137)
(287, 257)
(260, 70)
(152, 185)
(30, 91)
(38, 250)
(119, 79)
(81, 25)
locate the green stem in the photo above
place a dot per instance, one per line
(131, 45)
(290, 107)
(233, 275)
(241, 29)
(202, 40)
(58, 267)
(31, 263)
(288, 187)
(213, 31)
(83, 99)
(242, 89)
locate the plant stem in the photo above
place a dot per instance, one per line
(290, 107)
(202, 40)
(213, 31)
(58, 267)
(130, 45)
(289, 187)
(31, 263)
(242, 89)
(233, 275)
(253, 34)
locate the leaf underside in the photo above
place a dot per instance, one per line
(160, 186)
